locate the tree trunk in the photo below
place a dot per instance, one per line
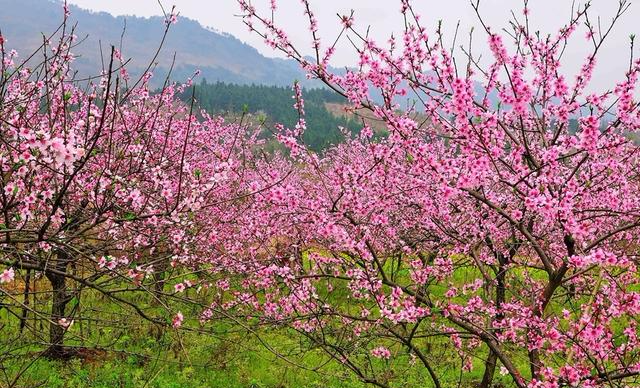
(501, 290)
(59, 301)
(489, 370)
(159, 278)
(25, 301)
(534, 363)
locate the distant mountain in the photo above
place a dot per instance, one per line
(219, 57)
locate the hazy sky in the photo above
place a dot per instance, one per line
(384, 19)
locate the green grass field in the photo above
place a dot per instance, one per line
(118, 348)
(170, 359)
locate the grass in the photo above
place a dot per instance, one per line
(185, 360)
(131, 352)
(141, 354)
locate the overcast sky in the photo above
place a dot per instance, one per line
(383, 17)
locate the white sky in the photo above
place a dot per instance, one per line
(384, 18)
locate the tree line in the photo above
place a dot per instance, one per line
(273, 104)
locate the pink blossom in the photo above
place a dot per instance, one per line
(66, 323)
(7, 275)
(177, 320)
(381, 352)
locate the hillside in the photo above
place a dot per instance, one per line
(275, 104)
(219, 57)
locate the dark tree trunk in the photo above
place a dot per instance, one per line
(159, 277)
(534, 363)
(501, 290)
(25, 301)
(489, 370)
(161, 266)
(59, 301)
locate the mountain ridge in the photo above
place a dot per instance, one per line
(219, 56)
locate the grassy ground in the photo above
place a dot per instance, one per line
(176, 360)
(117, 348)
(249, 369)
(121, 349)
